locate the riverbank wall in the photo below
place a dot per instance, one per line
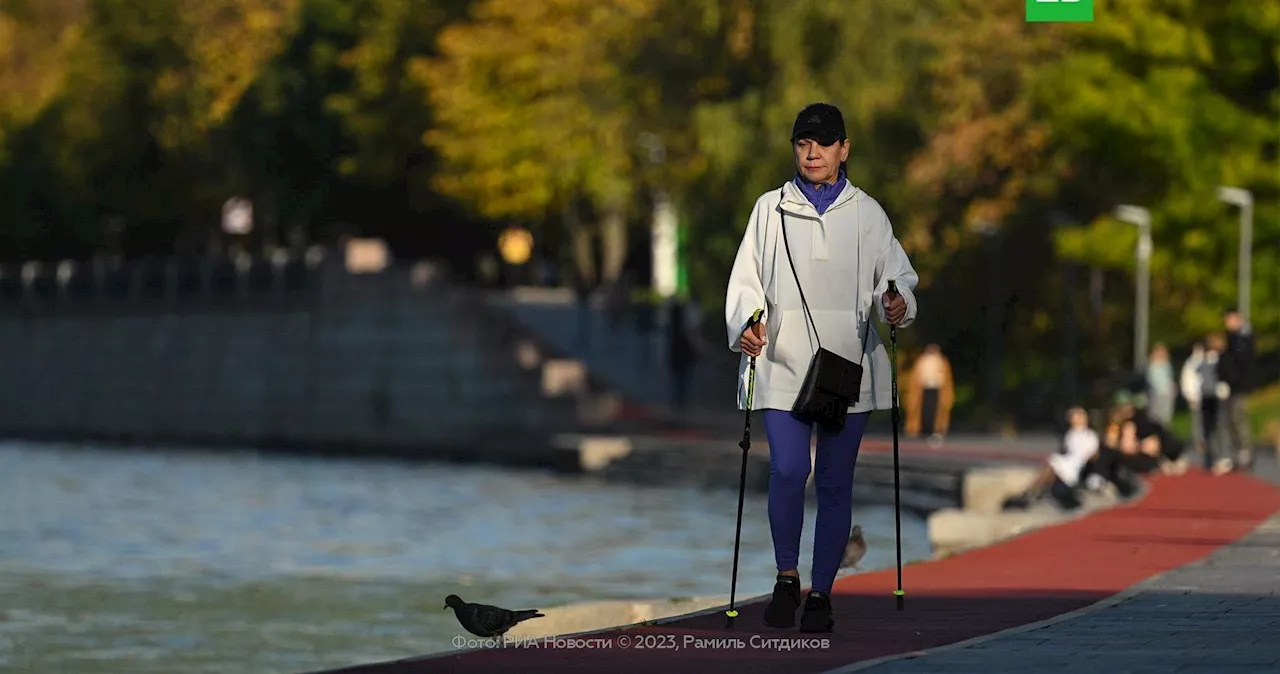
(400, 364)
(355, 363)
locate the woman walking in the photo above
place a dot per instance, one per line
(817, 256)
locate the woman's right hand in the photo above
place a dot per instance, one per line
(753, 340)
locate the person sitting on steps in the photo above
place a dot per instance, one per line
(1061, 477)
(1131, 446)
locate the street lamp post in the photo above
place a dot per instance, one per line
(664, 246)
(665, 274)
(1244, 200)
(1141, 217)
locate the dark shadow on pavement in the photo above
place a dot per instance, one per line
(868, 627)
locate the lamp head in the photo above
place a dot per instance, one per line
(1235, 196)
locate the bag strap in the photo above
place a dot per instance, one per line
(866, 331)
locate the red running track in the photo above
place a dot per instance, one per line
(1034, 577)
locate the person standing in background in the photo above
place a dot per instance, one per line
(1213, 394)
(930, 395)
(684, 344)
(582, 288)
(1162, 389)
(1235, 368)
(1191, 387)
(618, 304)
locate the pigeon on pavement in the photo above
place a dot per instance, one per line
(483, 620)
(855, 549)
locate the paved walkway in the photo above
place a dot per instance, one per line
(1135, 553)
(1217, 616)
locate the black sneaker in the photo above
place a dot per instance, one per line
(781, 611)
(1017, 502)
(817, 613)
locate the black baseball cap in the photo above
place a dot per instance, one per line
(821, 122)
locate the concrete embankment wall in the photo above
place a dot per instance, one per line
(380, 365)
(358, 362)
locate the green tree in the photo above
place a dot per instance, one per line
(863, 57)
(1167, 101)
(328, 139)
(35, 40)
(534, 114)
(1157, 102)
(124, 131)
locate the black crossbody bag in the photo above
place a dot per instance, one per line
(833, 382)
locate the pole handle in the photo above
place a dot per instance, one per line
(751, 382)
(893, 329)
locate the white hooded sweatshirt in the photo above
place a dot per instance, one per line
(845, 259)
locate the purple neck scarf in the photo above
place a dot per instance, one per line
(824, 197)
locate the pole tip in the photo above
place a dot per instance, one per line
(902, 599)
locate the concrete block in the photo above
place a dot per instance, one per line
(954, 530)
(595, 453)
(563, 376)
(985, 489)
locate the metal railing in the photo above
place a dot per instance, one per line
(160, 283)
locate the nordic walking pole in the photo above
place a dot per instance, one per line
(745, 444)
(897, 507)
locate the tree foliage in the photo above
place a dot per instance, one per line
(1158, 105)
(532, 106)
(35, 40)
(127, 123)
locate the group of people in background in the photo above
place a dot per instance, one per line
(1215, 380)
(1137, 440)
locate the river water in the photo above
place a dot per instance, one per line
(131, 562)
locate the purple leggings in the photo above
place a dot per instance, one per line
(789, 437)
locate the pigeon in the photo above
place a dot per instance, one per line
(483, 620)
(855, 549)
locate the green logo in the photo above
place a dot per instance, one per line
(1059, 10)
